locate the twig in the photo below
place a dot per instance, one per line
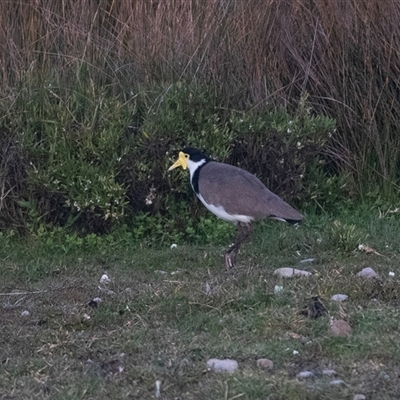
(22, 293)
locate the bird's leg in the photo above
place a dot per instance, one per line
(244, 231)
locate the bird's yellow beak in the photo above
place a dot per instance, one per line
(180, 162)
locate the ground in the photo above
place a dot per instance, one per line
(166, 311)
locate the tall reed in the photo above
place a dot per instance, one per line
(343, 53)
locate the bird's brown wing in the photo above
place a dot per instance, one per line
(242, 193)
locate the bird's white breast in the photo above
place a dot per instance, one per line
(220, 212)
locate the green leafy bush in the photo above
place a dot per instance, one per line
(279, 147)
(93, 163)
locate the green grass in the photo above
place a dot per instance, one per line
(157, 321)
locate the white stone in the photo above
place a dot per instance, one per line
(359, 397)
(105, 279)
(158, 387)
(305, 375)
(391, 274)
(97, 300)
(174, 246)
(339, 297)
(207, 288)
(217, 365)
(329, 372)
(287, 272)
(336, 382)
(158, 271)
(278, 289)
(265, 363)
(25, 313)
(368, 273)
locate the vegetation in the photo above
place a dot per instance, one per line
(168, 310)
(97, 98)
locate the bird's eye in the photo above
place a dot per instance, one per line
(186, 155)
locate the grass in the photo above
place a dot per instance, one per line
(166, 311)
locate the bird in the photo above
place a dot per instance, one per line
(234, 195)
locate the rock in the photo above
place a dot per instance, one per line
(158, 387)
(25, 313)
(384, 375)
(305, 375)
(336, 382)
(340, 327)
(368, 273)
(329, 372)
(265, 363)
(207, 288)
(105, 280)
(94, 303)
(278, 289)
(339, 297)
(359, 397)
(160, 272)
(289, 272)
(227, 365)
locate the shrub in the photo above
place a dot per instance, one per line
(91, 162)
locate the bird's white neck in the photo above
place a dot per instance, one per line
(193, 165)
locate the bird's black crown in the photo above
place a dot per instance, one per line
(195, 154)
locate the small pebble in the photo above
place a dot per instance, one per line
(265, 363)
(340, 328)
(339, 297)
(217, 365)
(158, 271)
(25, 313)
(94, 303)
(359, 397)
(336, 382)
(384, 375)
(287, 272)
(368, 273)
(105, 279)
(158, 387)
(329, 372)
(278, 289)
(391, 274)
(174, 246)
(207, 288)
(305, 375)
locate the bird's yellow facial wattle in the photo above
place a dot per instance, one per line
(180, 162)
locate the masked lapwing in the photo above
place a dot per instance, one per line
(234, 195)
